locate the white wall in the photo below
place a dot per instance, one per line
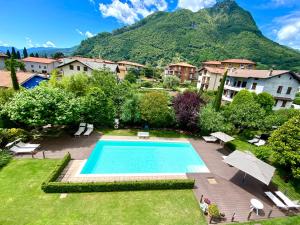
(40, 67)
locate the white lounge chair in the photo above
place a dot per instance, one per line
(254, 140)
(143, 134)
(276, 201)
(286, 200)
(27, 145)
(21, 150)
(81, 129)
(260, 143)
(209, 138)
(90, 129)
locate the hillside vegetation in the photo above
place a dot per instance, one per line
(223, 31)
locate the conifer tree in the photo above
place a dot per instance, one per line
(18, 55)
(25, 53)
(218, 99)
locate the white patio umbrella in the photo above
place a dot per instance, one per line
(222, 137)
(251, 165)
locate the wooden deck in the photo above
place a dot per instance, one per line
(228, 192)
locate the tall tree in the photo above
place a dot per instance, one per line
(25, 53)
(218, 98)
(45, 55)
(31, 54)
(18, 55)
(13, 52)
(37, 55)
(13, 74)
(8, 53)
(58, 55)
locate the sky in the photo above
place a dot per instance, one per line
(65, 23)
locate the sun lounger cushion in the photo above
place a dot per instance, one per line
(260, 143)
(90, 129)
(275, 200)
(143, 134)
(19, 150)
(286, 200)
(27, 145)
(209, 138)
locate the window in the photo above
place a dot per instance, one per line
(244, 84)
(283, 103)
(71, 67)
(32, 66)
(234, 84)
(85, 68)
(276, 102)
(254, 86)
(78, 68)
(40, 66)
(289, 90)
(239, 83)
(45, 67)
(279, 89)
(256, 79)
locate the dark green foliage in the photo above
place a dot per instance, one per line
(36, 55)
(25, 53)
(8, 54)
(147, 84)
(13, 74)
(5, 157)
(130, 111)
(18, 55)
(223, 31)
(58, 55)
(218, 99)
(31, 54)
(297, 101)
(263, 152)
(131, 77)
(13, 53)
(279, 117)
(231, 146)
(266, 101)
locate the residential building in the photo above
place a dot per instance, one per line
(3, 57)
(182, 70)
(26, 79)
(70, 66)
(209, 78)
(211, 73)
(125, 66)
(40, 65)
(281, 84)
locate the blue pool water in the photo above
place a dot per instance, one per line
(143, 157)
(33, 82)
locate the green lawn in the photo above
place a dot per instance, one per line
(153, 133)
(23, 202)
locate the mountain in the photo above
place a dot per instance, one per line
(42, 50)
(223, 31)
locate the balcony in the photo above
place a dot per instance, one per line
(228, 87)
(227, 99)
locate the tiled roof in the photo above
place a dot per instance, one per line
(130, 63)
(39, 60)
(256, 73)
(212, 63)
(83, 59)
(94, 65)
(184, 64)
(3, 55)
(240, 61)
(5, 79)
(214, 70)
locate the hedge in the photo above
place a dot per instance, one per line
(64, 187)
(51, 185)
(231, 146)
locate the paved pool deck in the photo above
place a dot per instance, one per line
(223, 185)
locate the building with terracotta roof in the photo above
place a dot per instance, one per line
(281, 84)
(25, 79)
(125, 66)
(3, 57)
(182, 70)
(40, 65)
(209, 78)
(231, 63)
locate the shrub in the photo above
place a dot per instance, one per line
(9, 135)
(231, 146)
(62, 187)
(171, 82)
(213, 211)
(263, 152)
(5, 157)
(147, 84)
(297, 101)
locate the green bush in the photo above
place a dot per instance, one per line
(263, 152)
(231, 146)
(62, 187)
(297, 101)
(57, 170)
(5, 157)
(147, 84)
(9, 135)
(213, 211)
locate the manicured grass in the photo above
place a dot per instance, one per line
(23, 202)
(280, 221)
(153, 133)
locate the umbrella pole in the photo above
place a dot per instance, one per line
(244, 178)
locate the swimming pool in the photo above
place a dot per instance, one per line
(33, 82)
(119, 157)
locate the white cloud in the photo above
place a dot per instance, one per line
(2, 43)
(288, 31)
(132, 10)
(195, 5)
(49, 44)
(279, 3)
(92, 2)
(87, 34)
(29, 42)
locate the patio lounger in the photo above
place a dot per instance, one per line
(209, 138)
(286, 200)
(260, 143)
(90, 129)
(27, 145)
(21, 150)
(143, 134)
(276, 201)
(81, 129)
(254, 140)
